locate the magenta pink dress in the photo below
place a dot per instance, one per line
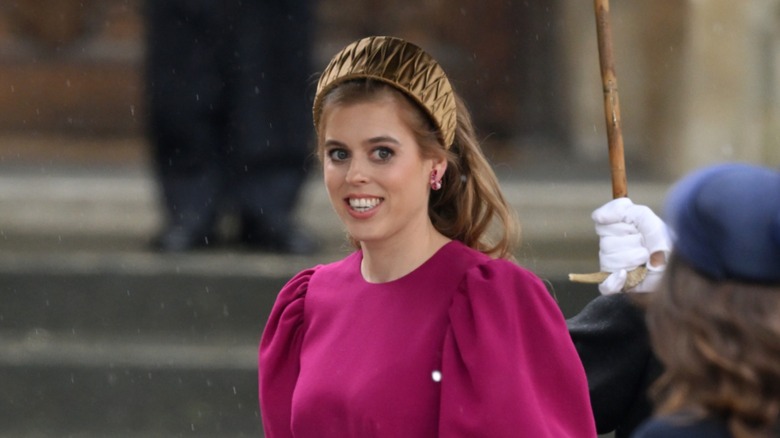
(463, 346)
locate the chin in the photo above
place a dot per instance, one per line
(366, 236)
(362, 237)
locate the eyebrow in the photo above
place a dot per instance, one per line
(336, 143)
(372, 140)
(383, 139)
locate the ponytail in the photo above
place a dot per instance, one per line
(470, 206)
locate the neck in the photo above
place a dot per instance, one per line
(392, 259)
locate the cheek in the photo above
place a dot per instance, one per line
(413, 184)
(331, 178)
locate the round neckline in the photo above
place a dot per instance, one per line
(413, 273)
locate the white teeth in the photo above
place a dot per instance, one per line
(363, 204)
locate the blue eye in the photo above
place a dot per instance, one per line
(383, 153)
(338, 154)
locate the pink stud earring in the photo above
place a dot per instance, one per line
(435, 183)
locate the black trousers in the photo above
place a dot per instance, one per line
(229, 96)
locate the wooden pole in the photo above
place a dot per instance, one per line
(617, 162)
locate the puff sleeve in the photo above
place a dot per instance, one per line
(509, 367)
(279, 356)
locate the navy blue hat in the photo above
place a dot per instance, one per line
(725, 222)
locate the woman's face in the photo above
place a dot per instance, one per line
(376, 178)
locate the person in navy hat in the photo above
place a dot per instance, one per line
(714, 320)
(711, 322)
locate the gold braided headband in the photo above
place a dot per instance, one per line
(400, 64)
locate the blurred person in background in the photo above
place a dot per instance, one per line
(709, 324)
(228, 119)
(714, 321)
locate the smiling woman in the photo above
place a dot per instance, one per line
(428, 328)
(378, 182)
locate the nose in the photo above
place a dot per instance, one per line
(357, 172)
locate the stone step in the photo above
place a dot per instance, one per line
(57, 400)
(116, 345)
(119, 211)
(189, 298)
(187, 307)
(101, 337)
(120, 344)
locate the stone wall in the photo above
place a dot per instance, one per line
(70, 66)
(698, 80)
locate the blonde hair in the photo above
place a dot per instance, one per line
(720, 345)
(469, 207)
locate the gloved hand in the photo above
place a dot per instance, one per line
(628, 235)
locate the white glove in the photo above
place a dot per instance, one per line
(628, 235)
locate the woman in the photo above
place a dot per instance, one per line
(715, 321)
(427, 329)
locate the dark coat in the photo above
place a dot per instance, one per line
(683, 426)
(612, 340)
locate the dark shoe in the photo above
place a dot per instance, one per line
(292, 241)
(182, 239)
